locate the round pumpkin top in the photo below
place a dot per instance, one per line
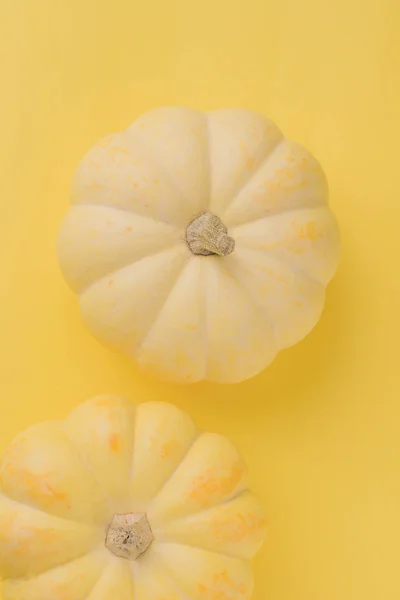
(126, 502)
(199, 244)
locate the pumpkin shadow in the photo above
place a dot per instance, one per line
(295, 381)
(290, 382)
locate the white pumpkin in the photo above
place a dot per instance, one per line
(126, 503)
(199, 244)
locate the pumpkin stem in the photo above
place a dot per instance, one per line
(129, 535)
(206, 235)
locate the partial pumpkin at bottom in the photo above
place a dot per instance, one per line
(128, 502)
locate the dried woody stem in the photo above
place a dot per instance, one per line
(129, 535)
(206, 235)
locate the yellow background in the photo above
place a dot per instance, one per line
(320, 428)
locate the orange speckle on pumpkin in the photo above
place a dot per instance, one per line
(114, 442)
(211, 484)
(128, 228)
(238, 527)
(303, 162)
(250, 163)
(310, 231)
(167, 448)
(57, 495)
(110, 281)
(105, 142)
(254, 133)
(38, 485)
(221, 587)
(243, 147)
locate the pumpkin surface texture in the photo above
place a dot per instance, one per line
(199, 244)
(126, 502)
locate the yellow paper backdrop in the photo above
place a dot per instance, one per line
(321, 427)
